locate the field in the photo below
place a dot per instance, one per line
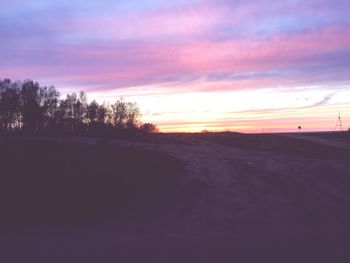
(209, 197)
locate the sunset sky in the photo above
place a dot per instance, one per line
(252, 66)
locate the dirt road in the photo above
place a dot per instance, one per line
(236, 200)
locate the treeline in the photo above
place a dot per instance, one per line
(27, 107)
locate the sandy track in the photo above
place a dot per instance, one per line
(244, 192)
(233, 201)
(234, 190)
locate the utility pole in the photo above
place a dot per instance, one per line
(339, 125)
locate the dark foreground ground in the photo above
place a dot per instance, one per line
(176, 198)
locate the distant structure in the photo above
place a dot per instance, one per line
(339, 125)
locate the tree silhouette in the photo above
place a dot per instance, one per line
(49, 99)
(119, 113)
(149, 128)
(102, 114)
(132, 115)
(9, 104)
(30, 108)
(92, 112)
(126, 114)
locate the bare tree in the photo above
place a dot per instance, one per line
(132, 115)
(126, 114)
(32, 108)
(92, 112)
(119, 113)
(9, 104)
(149, 128)
(49, 98)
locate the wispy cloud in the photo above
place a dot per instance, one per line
(172, 47)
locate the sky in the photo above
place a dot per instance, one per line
(191, 65)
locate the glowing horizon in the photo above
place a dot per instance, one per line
(251, 66)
